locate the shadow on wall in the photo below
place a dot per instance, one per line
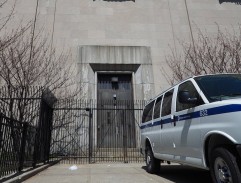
(230, 1)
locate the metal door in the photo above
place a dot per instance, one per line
(114, 121)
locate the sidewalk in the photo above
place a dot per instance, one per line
(119, 173)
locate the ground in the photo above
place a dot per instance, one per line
(121, 173)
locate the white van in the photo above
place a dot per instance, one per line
(198, 123)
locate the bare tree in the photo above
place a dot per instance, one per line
(31, 68)
(218, 53)
(6, 18)
(28, 60)
(45, 68)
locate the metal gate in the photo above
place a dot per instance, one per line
(78, 137)
(25, 128)
(115, 124)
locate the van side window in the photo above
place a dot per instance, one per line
(167, 103)
(157, 107)
(193, 92)
(147, 113)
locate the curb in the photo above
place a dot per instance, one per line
(31, 173)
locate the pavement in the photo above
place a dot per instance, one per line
(118, 173)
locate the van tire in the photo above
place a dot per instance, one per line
(224, 167)
(152, 164)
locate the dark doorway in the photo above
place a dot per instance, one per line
(116, 126)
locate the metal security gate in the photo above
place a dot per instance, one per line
(77, 137)
(115, 124)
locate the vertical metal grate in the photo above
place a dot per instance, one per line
(90, 131)
(25, 128)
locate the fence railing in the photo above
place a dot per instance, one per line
(25, 128)
(16, 145)
(89, 131)
(22, 104)
(82, 131)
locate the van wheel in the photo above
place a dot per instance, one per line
(224, 167)
(153, 164)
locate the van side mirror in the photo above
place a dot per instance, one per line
(185, 98)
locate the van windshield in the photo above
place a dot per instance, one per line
(220, 87)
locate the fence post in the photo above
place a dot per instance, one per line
(1, 121)
(124, 136)
(50, 127)
(22, 147)
(90, 135)
(37, 139)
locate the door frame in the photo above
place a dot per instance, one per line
(132, 80)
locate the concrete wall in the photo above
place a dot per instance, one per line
(132, 59)
(153, 24)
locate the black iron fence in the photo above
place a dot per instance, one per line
(16, 145)
(25, 128)
(21, 103)
(97, 131)
(82, 131)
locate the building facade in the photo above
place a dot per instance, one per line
(120, 49)
(121, 45)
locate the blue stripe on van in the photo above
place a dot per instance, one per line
(197, 114)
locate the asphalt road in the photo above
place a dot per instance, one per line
(121, 173)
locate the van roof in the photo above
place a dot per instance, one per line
(192, 77)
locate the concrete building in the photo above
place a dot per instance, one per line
(121, 44)
(119, 47)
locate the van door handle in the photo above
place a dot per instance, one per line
(173, 118)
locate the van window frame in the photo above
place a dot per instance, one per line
(195, 95)
(169, 103)
(144, 116)
(160, 107)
